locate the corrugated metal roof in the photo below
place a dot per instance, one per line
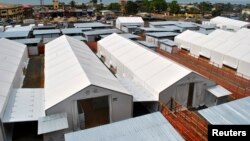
(181, 24)
(162, 23)
(52, 123)
(151, 29)
(205, 26)
(186, 24)
(162, 34)
(102, 32)
(24, 105)
(126, 35)
(29, 40)
(172, 27)
(219, 91)
(17, 34)
(46, 31)
(20, 28)
(131, 26)
(148, 68)
(236, 112)
(78, 71)
(147, 44)
(11, 54)
(168, 42)
(74, 30)
(90, 25)
(151, 127)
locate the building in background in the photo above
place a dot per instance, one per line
(10, 11)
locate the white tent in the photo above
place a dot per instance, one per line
(244, 66)
(227, 23)
(73, 73)
(215, 42)
(152, 72)
(220, 46)
(126, 21)
(231, 58)
(13, 59)
(185, 39)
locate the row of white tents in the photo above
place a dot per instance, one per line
(227, 23)
(221, 47)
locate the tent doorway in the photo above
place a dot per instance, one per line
(93, 112)
(190, 95)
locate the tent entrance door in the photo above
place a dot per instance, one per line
(190, 95)
(94, 111)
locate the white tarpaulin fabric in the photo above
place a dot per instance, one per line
(13, 58)
(25, 105)
(151, 71)
(120, 21)
(80, 68)
(221, 47)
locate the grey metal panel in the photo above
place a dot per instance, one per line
(162, 34)
(24, 105)
(101, 32)
(52, 123)
(234, 112)
(126, 35)
(147, 44)
(90, 25)
(29, 40)
(168, 42)
(219, 91)
(47, 31)
(74, 30)
(17, 34)
(150, 29)
(151, 127)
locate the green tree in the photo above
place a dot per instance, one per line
(144, 6)
(158, 5)
(174, 7)
(131, 7)
(114, 6)
(99, 7)
(205, 7)
(193, 10)
(72, 4)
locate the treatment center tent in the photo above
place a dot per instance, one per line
(149, 76)
(129, 21)
(13, 60)
(151, 127)
(77, 83)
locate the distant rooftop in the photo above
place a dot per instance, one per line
(126, 35)
(168, 42)
(17, 34)
(102, 32)
(74, 30)
(7, 6)
(147, 44)
(90, 25)
(47, 31)
(162, 34)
